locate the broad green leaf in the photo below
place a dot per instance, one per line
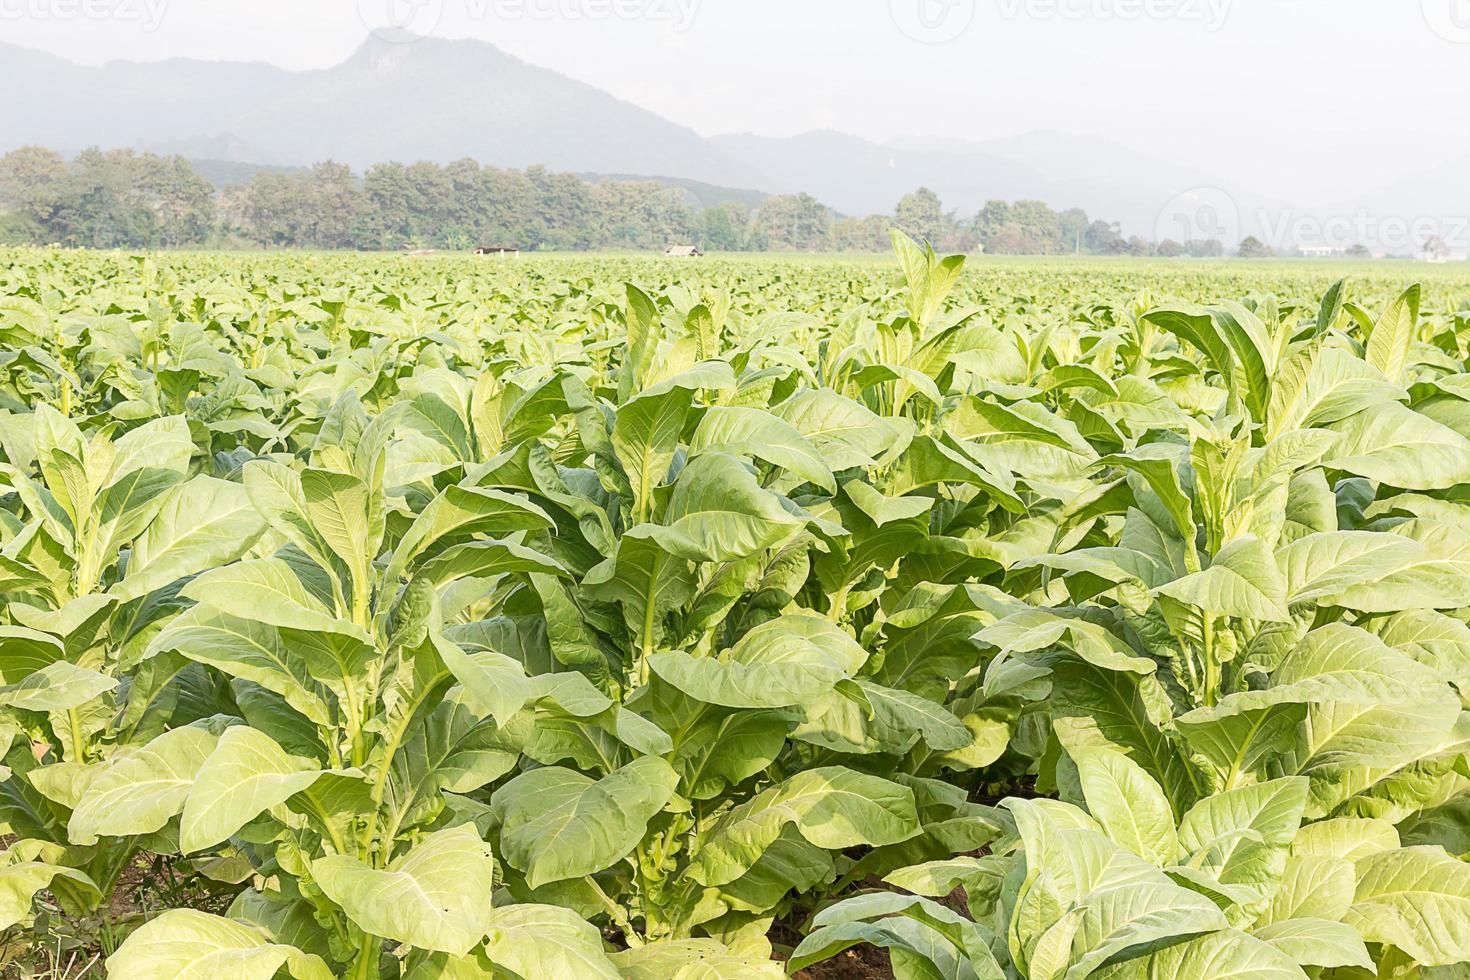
(1397, 446)
(557, 824)
(649, 427)
(23, 651)
(191, 945)
(717, 512)
(435, 897)
(138, 792)
(204, 524)
(1320, 386)
(1242, 837)
(788, 661)
(843, 432)
(546, 941)
(1128, 803)
(741, 431)
(1417, 899)
(58, 686)
(694, 959)
(1394, 334)
(1317, 942)
(1319, 567)
(1312, 886)
(831, 808)
(270, 590)
(245, 775)
(1242, 734)
(1242, 582)
(249, 649)
(1226, 955)
(21, 881)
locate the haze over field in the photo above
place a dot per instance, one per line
(1245, 107)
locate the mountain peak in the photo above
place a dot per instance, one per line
(392, 99)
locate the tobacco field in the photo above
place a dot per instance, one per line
(599, 617)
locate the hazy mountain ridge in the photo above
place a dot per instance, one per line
(443, 100)
(430, 100)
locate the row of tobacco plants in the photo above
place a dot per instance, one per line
(558, 629)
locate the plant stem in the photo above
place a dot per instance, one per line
(839, 605)
(616, 913)
(365, 966)
(78, 742)
(1212, 669)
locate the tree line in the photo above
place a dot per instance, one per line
(126, 199)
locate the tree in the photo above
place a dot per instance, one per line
(870, 234)
(921, 216)
(319, 208)
(1252, 247)
(1074, 227)
(1104, 238)
(797, 223)
(120, 198)
(1169, 248)
(991, 217)
(724, 227)
(33, 182)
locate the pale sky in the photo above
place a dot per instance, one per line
(1311, 100)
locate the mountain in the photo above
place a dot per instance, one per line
(431, 99)
(442, 100)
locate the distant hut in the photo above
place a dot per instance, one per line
(683, 252)
(500, 250)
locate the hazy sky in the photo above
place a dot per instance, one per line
(1312, 100)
